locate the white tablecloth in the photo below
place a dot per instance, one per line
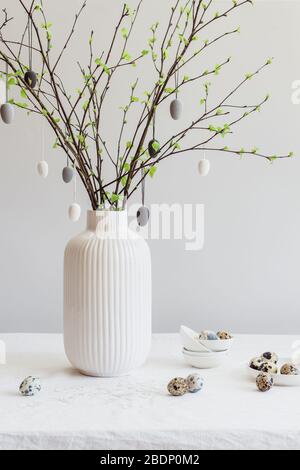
(136, 412)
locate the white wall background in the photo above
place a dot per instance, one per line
(247, 277)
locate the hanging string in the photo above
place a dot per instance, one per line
(66, 132)
(30, 40)
(43, 140)
(143, 187)
(154, 124)
(176, 83)
(75, 188)
(6, 88)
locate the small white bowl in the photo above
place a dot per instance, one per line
(217, 345)
(190, 340)
(279, 379)
(204, 360)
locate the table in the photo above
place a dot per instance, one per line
(136, 412)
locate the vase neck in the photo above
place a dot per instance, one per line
(107, 221)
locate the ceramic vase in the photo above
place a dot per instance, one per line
(107, 297)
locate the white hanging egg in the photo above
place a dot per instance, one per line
(176, 109)
(143, 216)
(204, 167)
(67, 174)
(74, 212)
(43, 168)
(7, 113)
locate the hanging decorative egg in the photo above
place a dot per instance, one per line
(204, 167)
(67, 174)
(30, 78)
(7, 113)
(143, 216)
(153, 148)
(74, 212)
(176, 109)
(43, 168)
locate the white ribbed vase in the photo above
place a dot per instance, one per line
(107, 297)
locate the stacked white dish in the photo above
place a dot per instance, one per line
(203, 353)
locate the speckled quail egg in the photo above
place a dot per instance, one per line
(30, 386)
(195, 383)
(289, 369)
(177, 387)
(224, 335)
(208, 335)
(269, 367)
(264, 382)
(256, 363)
(270, 356)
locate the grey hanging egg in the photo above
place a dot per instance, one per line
(153, 148)
(67, 174)
(30, 78)
(143, 216)
(176, 109)
(7, 113)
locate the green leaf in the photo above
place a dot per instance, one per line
(156, 145)
(152, 171)
(166, 54)
(124, 32)
(23, 93)
(169, 90)
(11, 82)
(217, 69)
(101, 64)
(176, 146)
(126, 56)
(145, 52)
(47, 25)
(21, 104)
(55, 145)
(115, 197)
